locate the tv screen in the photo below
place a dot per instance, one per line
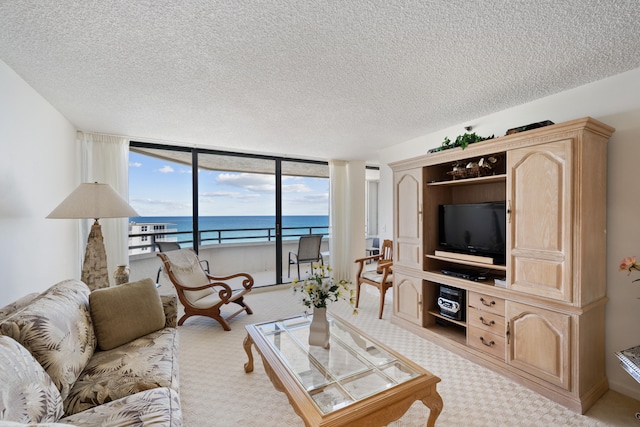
(474, 228)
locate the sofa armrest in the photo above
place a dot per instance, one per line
(170, 307)
(9, 309)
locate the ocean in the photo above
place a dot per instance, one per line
(236, 229)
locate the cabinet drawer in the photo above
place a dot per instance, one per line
(487, 342)
(490, 322)
(486, 303)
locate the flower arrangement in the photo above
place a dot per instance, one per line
(319, 288)
(629, 264)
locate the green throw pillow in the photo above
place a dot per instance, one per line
(123, 313)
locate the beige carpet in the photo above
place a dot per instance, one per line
(215, 390)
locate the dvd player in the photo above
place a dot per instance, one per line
(464, 274)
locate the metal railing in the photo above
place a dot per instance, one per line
(222, 236)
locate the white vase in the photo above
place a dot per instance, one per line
(319, 328)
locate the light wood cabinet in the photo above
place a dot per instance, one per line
(408, 227)
(486, 324)
(408, 298)
(540, 219)
(545, 327)
(539, 342)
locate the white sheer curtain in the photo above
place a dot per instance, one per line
(347, 205)
(105, 159)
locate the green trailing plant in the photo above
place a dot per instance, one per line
(462, 141)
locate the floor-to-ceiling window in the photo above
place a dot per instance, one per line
(160, 188)
(245, 212)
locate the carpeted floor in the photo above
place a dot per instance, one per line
(215, 390)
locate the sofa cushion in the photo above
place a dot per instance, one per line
(148, 362)
(159, 407)
(56, 329)
(27, 394)
(123, 313)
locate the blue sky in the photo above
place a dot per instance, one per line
(161, 188)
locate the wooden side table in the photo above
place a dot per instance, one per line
(630, 362)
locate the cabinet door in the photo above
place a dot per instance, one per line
(407, 298)
(538, 342)
(408, 213)
(540, 227)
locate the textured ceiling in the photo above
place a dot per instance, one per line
(311, 79)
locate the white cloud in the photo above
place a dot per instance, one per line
(227, 194)
(166, 169)
(135, 164)
(295, 188)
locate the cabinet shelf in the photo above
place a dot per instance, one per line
(454, 332)
(498, 267)
(455, 322)
(443, 279)
(469, 181)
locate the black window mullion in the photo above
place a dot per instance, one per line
(278, 196)
(194, 198)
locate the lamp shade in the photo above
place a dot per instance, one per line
(93, 200)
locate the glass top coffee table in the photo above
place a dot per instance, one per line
(356, 381)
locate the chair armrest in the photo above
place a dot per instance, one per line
(385, 268)
(247, 281)
(383, 265)
(224, 294)
(170, 307)
(361, 261)
(368, 258)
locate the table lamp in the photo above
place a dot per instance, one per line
(94, 200)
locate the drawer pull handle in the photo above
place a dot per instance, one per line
(489, 323)
(488, 304)
(487, 343)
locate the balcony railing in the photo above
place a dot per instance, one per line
(222, 236)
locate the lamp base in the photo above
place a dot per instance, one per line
(95, 273)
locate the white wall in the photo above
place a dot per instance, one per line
(616, 102)
(38, 169)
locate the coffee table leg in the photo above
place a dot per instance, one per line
(248, 367)
(434, 403)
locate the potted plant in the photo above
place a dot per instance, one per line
(461, 141)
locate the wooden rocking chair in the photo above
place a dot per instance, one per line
(381, 277)
(200, 293)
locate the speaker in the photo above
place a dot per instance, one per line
(451, 302)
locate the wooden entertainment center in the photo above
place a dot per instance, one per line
(544, 326)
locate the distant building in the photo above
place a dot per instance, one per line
(142, 236)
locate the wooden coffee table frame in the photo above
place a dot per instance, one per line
(376, 410)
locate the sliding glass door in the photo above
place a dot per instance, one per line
(305, 211)
(236, 206)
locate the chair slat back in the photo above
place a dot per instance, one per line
(309, 247)
(387, 250)
(386, 255)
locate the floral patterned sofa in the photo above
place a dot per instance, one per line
(75, 357)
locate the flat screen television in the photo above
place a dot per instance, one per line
(474, 229)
